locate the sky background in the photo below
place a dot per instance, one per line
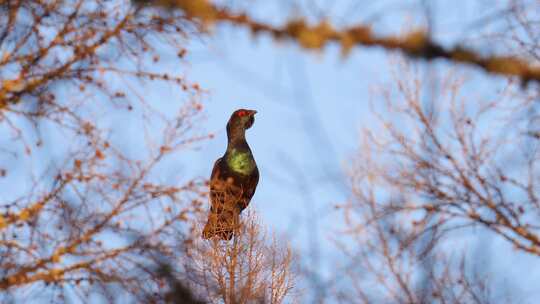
(311, 108)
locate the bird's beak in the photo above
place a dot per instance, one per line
(252, 112)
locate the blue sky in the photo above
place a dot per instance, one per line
(312, 106)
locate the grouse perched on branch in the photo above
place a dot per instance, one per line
(233, 180)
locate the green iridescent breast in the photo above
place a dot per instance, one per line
(241, 162)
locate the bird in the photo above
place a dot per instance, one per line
(233, 180)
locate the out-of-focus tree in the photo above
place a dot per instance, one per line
(430, 169)
(518, 35)
(83, 210)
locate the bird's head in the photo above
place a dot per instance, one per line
(241, 120)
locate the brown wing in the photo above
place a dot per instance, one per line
(215, 200)
(249, 186)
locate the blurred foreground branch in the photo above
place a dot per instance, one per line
(416, 44)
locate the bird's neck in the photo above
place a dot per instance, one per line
(237, 145)
(236, 139)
